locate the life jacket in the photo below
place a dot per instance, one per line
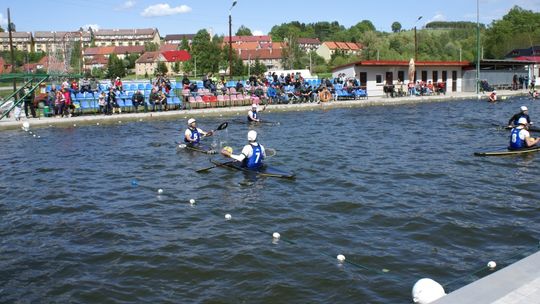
(515, 141)
(195, 136)
(255, 160)
(255, 116)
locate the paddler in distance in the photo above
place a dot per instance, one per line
(193, 135)
(520, 137)
(252, 154)
(253, 114)
(493, 96)
(524, 112)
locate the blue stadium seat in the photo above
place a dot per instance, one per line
(132, 87)
(140, 86)
(148, 86)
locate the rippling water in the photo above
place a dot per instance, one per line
(390, 187)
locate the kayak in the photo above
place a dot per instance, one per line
(530, 129)
(264, 171)
(241, 121)
(508, 152)
(199, 148)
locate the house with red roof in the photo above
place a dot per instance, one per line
(271, 58)
(308, 44)
(4, 66)
(329, 48)
(148, 62)
(374, 74)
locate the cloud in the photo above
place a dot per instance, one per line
(94, 27)
(258, 33)
(126, 5)
(3, 21)
(437, 17)
(164, 9)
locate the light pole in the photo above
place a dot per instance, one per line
(478, 49)
(230, 40)
(416, 40)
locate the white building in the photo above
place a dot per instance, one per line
(373, 74)
(22, 41)
(126, 37)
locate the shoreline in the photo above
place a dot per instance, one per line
(89, 119)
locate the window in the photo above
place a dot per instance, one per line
(401, 76)
(378, 79)
(424, 76)
(435, 76)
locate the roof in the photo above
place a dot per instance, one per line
(168, 47)
(336, 45)
(263, 38)
(60, 34)
(535, 59)
(175, 56)
(262, 54)
(16, 35)
(99, 59)
(124, 32)
(179, 37)
(107, 50)
(149, 57)
(309, 41)
(403, 63)
(532, 51)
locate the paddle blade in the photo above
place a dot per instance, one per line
(223, 126)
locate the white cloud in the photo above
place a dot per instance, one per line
(164, 9)
(437, 17)
(3, 21)
(94, 27)
(126, 5)
(258, 33)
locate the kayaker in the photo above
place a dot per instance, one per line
(253, 114)
(193, 135)
(493, 96)
(524, 112)
(520, 137)
(252, 154)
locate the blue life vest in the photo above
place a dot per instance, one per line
(195, 136)
(515, 141)
(255, 160)
(254, 116)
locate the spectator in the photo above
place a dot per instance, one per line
(138, 100)
(163, 101)
(185, 82)
(69, 108)
(59, 103)
(102, 103)
(239, 87)
(51, 97)
(74, 87)
(29, 101)
(118, 84)
(94, 85)
(111, 101)
(154, 99)
(85, 85)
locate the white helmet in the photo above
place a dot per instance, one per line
(254, 105)
(524, 108)
(191, 120)
(252, 135)
(522, 121)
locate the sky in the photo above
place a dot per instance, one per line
(189, 16)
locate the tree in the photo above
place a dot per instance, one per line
(258, 68)
(115, 67)
(76, 59)
(162, 68)
(184, 44)
(2, 29)
(396, 27)
(150, 47)
(176, 67)
(207, 51)
(243, 31)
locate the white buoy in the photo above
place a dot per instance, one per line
(491, 264)
(26, 125)
(97, 124)
(192, 201)
(39, 136)
(228, 216)
(276, 235)
(119, 121)
(160, 191)
(34, 135)
(74, 125)
(426, 291)
(341, 258)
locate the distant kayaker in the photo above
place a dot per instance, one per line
(493, 96)
(252, 154)
(193, 135)
(524, 112)
(520, 137)
(253, 114)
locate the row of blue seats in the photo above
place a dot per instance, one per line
(92, 105)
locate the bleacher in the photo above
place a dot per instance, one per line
(178, 98)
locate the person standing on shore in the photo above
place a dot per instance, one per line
(524, 112)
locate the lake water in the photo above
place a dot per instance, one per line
(396, 189)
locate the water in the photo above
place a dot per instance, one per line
(390, 187)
